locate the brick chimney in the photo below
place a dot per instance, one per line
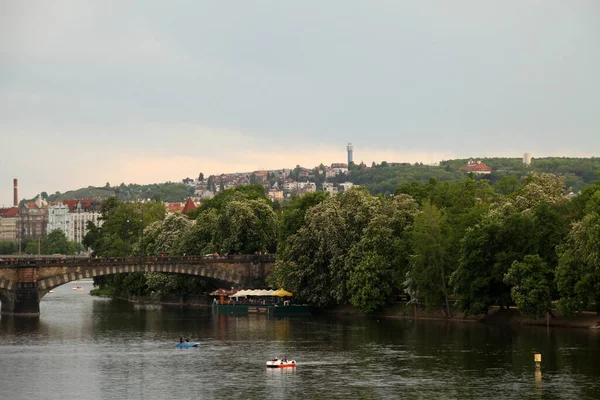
(16, 193)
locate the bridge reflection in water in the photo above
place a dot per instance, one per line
(24, 281)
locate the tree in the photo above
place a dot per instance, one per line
(430, 269)
(201, 177)
(8, 247)
(531, 288)
(368, 287)
(578, 271)
(246, 227)
(313, 262)
(57, 243)
(121, 227)
(165, 236)
(295, 211)
(507, 185)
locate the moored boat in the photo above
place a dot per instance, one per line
(281, 363)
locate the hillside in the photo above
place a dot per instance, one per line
(385, 179)
(169, 191)
(578, 172)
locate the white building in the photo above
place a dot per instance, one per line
(330, 188)
(58, 218)
(80, 213)
(527, 159)
(346, 185)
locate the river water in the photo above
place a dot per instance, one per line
(84, 347)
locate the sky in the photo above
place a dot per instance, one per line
(153, 91)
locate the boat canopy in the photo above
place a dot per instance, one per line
(254, 292)
(282, 293)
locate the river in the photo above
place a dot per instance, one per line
(83, 347)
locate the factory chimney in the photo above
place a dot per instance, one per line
(15, 193)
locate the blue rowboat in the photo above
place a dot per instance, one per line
(187, 344)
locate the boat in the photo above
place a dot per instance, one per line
(78, 288)
(187, 344)
(281, 363)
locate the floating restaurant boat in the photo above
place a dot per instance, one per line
(268, 302)
(281, 363)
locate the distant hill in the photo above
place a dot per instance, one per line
(382, 178)
(578, 172)
(169, 192)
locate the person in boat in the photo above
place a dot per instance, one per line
(284, 360)
(274, 359)
(180, 339)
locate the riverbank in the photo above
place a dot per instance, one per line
(189, 301)
(495, 316)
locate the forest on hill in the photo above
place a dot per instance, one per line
(383, 178)
(169, 192)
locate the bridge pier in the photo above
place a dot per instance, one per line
(24, 299)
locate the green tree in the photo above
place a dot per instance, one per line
(247, 226)
(57, 243)
(430, 269)
(295, 211)
(165, 236)
(7, 247)
(578, 271)
(507, 185)
(531, 286)
(122, 225)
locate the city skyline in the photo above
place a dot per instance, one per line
(95, 92)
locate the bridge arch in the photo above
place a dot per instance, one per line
(25, 280)
(52, 282)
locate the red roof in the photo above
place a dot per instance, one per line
(189, 206)
(86, 204)
(72, 204)
(174, 207)
(476, 166)
(31, 205)
(9, 212)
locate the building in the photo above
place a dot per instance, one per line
(339, 168)
(476, 167)
(275, 194)
(189, 206)
(527, 159)
(330, 188)
(58, 218)
(8, 224)
(32, 219)
(80, 213)
(350, 150)
(346, 185)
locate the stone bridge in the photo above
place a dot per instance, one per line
(24, 281)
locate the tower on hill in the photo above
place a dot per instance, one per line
(350, 148)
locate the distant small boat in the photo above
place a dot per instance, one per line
(281, 363)
(78, 288)
(187, 344)
(52, 291)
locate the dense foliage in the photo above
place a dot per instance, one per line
(466, 245)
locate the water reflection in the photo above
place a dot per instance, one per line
(90, 348)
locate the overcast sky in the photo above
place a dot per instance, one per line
(150, 91)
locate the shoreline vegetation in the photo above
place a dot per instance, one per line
(466, 248)
(495, 316)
